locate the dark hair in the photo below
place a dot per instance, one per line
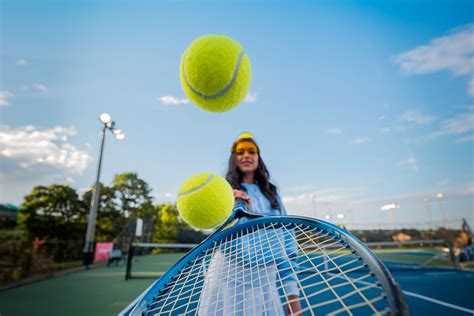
(262, 178)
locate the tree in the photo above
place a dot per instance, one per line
(57, 215)
(168, 224)
(110, 218)
(134, 196)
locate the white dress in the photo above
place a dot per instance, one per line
(241, 279)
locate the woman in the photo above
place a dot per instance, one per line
(249, 177)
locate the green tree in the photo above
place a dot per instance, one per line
(57, 215)
(134, 196)
(168, 224)
(110, 218)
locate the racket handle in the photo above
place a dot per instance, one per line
(240, 205)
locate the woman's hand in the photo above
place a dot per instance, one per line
(238, 194)
(294, 305)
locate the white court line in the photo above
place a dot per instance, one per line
(433, 300)
(429, 299)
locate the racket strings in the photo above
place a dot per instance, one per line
(357, 290)
(254, 270)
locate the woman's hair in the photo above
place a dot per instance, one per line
(262, 178)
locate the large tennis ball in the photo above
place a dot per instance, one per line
(205, 200)
(215, 73)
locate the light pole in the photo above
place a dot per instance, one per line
(327, 206)
(313, 200)
(391, 208)
(341, 216)
(427, 204)
(349, 210)
(440, 196)
(108, 124)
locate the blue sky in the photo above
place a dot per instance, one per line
(357, 104)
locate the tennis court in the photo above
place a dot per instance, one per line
(427, 275)
(435, 290)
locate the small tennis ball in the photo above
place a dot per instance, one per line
(215, 73)
(205, 200)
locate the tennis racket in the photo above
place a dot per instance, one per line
(263, 265)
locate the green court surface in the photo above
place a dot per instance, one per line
(99, 291)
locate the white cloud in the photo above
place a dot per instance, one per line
(334, 131)
(250, 97)
(458, 125)
(385, 130)
(40, 87)
(453, 52)
(360, 140)
(4, 96)
(21, 62)
(29, 147)
(417, 117)
(411, 162)
(467, 190)
(170, 100)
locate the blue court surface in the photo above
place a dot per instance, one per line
(438, 292)
(430, 289)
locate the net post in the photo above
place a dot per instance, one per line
(128, 273)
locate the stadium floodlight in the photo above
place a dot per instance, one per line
(118, 133)
(391, 207)
(105, 118)
(440, 196)
(340, 215)
(327, 217)
(89, 245)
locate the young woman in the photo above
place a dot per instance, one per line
(250, 179)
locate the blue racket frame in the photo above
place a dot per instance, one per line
(395, 296)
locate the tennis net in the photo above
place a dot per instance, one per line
(151, 260)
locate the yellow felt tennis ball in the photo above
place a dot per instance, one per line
(205, 200)
(215, 73)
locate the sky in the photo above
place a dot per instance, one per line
(355, 104)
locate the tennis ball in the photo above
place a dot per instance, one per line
(215, 73)
(205, 200)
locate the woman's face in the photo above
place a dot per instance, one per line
(247, 157)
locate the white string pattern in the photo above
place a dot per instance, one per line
(260, 270)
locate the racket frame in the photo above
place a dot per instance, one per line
(393, 293)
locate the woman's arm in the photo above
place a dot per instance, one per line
(289, 270)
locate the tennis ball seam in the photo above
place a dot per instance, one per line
(211, 176)
(219, 93)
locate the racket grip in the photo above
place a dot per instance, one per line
(240, 205)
